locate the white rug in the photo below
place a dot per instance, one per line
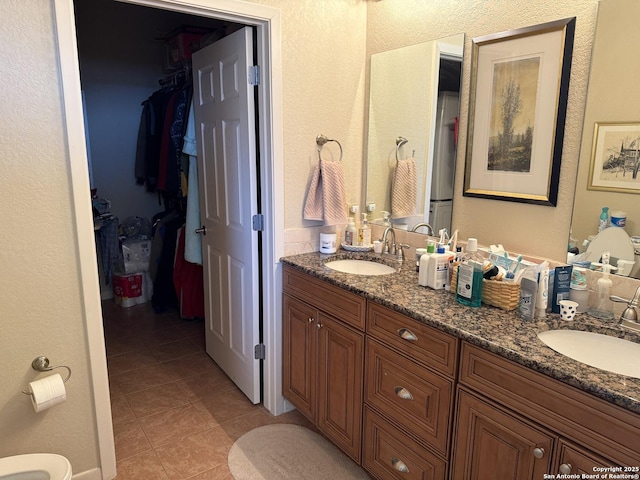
(289, 452)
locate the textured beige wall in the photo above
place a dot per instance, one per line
(530, 229)
(40, 311)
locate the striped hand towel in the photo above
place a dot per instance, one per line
(404, 189)
(327, 199)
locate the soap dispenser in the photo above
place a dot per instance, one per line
(603, 306)
(364, 232)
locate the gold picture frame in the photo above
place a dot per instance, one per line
(517, 109)
(615, 158)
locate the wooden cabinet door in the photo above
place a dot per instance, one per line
(571, 459)
(492, 443)
(299, 322)
(340, 372)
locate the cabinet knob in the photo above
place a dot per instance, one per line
(310, 319)
(403, 393)
(565, 468)
(399, 465)
(538, 452)
(318, 325)
(407, 334)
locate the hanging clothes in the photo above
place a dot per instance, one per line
(188, 282)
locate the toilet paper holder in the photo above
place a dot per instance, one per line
(41, 364)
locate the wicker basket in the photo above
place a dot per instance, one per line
(504, 295)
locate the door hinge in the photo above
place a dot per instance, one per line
(254, 75)
(259, 352)
(258, 222)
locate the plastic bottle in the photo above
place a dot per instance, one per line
(454, 261)
(350, 232)
(469, 279)
(603, 307)
(386, 222)
(364, 232)
(424, 263)
(438, 269)
(604, 219)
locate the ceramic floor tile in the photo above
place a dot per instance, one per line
(129, 440)
(140, 379)
(218, 473)
(173, 350)
(172, 425)
(157, 399)
(192, 365)
(132, 360)
(144, 466)
(195, 454)
(225, 406)
(206, 385)
(121, 411)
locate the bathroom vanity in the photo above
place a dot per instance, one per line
(411, 384)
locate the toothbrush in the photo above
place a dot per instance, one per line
(515, 269)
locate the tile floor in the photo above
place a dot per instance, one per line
(175, 413)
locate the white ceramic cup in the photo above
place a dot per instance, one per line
(568, 309)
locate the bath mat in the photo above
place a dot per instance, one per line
(289, 452)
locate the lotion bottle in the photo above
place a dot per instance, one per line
(350, 232)
(424, 264)
(438, 269)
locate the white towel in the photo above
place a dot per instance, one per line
(404, 189)
(327, 197)
(192, 240)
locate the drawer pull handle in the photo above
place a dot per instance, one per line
(565, 468)
(538, 452)
(403, 393)
(407, 334)
(399, 465)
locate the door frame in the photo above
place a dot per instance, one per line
(267, 21)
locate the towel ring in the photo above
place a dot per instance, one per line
(321, 140)
(400, 141)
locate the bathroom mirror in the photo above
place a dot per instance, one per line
(413, 111)
(612, 98)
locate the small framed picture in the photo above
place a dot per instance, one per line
(615, 158)
(519, 89)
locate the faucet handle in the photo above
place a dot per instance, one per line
(400, 251)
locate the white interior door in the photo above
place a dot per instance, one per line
(224, 114)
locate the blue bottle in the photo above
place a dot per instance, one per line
(469, 278)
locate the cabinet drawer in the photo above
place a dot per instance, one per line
(601, 426)
(346, 306)
(417, 399)
(389, 454)
(421, 342)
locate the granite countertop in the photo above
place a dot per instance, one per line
(491, 328)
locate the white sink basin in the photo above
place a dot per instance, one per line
(601, 351)
(360, 267)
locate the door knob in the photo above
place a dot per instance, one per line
(202, 230)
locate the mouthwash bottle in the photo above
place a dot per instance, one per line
(469, 279)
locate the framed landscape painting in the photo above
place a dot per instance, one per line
(615, 158)
(517, 109)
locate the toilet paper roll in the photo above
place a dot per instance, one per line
(47, 392)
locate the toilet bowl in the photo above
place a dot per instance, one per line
(35, 466)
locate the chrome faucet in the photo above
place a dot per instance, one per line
(395, 248)
(423, 224)
(629, 317)
(387, 249)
